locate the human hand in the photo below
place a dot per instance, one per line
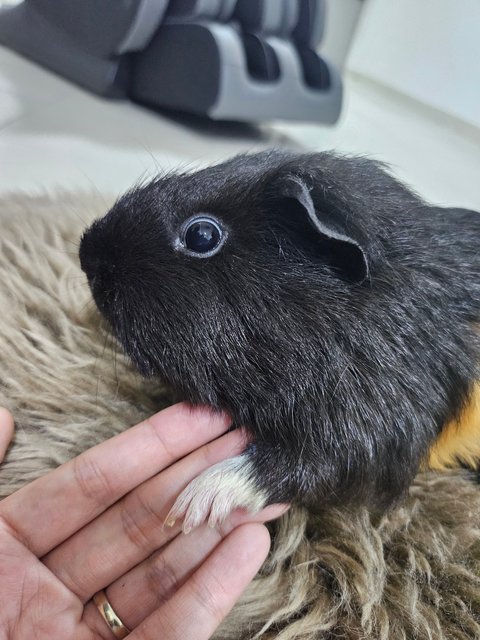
(6, 431)
(96, 523)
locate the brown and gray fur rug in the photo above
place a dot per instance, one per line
(415, 574)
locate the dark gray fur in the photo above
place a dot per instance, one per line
(337, 321)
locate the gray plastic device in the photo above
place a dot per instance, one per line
(246, 60)
(87, 41)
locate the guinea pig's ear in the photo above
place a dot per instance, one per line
(348, 255)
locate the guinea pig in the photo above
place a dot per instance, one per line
(315, 299)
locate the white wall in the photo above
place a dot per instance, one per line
(341, 20)
(427, 49)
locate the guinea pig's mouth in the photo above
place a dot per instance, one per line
(124, 317)
(102, 298)
(111, 307)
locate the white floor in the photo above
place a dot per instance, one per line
(55, 135)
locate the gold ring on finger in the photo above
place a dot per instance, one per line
(117, 627)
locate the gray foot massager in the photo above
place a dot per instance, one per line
(246, 60)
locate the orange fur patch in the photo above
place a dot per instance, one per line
(460, 439)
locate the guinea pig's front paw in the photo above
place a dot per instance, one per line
(215, 493)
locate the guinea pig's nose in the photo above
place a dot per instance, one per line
(95, 261)
(89, 259)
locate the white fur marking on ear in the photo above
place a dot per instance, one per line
(215, 493)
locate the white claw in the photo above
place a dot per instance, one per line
(215, 493)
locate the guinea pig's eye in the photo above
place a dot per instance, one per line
(202, 235)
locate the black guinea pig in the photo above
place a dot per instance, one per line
(314, 298)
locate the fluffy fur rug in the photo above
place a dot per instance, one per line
(413, 574)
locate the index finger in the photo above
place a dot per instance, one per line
(47, 511)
